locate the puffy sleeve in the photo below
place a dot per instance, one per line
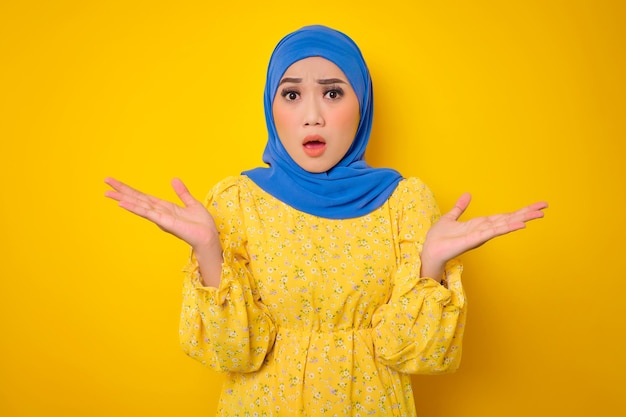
(226, 328)
(420, 328)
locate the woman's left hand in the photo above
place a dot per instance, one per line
(449, 237)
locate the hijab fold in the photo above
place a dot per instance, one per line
(349, 189)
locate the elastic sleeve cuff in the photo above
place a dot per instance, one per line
(411, 282)
(215, 296)
(452, 278)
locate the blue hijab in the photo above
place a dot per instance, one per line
(349, 189)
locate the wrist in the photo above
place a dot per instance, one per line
(208, 251)
(210, 260)
(432, 269)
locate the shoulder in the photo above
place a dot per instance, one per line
(411, 188)
(237, 192)
(412, 195)
(228, 199)
(227, 195)
(230, 187)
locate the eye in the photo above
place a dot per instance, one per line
(290, 95)
(334, 93)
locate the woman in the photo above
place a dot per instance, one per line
(319, 283)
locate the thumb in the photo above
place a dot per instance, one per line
(182, 192)
(459, 208)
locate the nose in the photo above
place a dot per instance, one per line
(313, 114)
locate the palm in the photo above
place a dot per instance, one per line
(191, 223)
(449, 238)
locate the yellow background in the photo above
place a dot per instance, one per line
(513, 102)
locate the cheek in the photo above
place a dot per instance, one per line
(349, 118)
(283, 114)
(279, 116)
(283, 121)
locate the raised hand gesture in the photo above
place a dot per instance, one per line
(191, 222)
(449, 237)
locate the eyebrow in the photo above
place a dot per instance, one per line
(324, 81)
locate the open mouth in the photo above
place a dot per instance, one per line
(314, 145)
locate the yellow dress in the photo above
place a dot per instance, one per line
(322, 317)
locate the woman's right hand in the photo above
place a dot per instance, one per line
(191, 223)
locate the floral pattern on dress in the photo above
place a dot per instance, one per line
(322, 317)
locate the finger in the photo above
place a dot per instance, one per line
(500, 224)
(129, 199)
(491, 231)
(148, 213)
(134, 208)
(535, 207)
(540, 205)
(140, 206)
(459, 208)
(126, 190)
(505, 228)
(120, 186)
(111, 181)
(115, 184)
(532, 212)
(183, 192)
(505, 223)
(114, 195)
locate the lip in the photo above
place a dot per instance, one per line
(314, 145)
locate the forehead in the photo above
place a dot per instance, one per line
(314, 65)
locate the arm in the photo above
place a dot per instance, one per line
(420, 328)
(226, 327)
(223, 323)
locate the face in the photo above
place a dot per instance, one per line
(316, 113)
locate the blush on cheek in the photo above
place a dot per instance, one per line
(282, 122)
(278, 116)
(348, 119)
